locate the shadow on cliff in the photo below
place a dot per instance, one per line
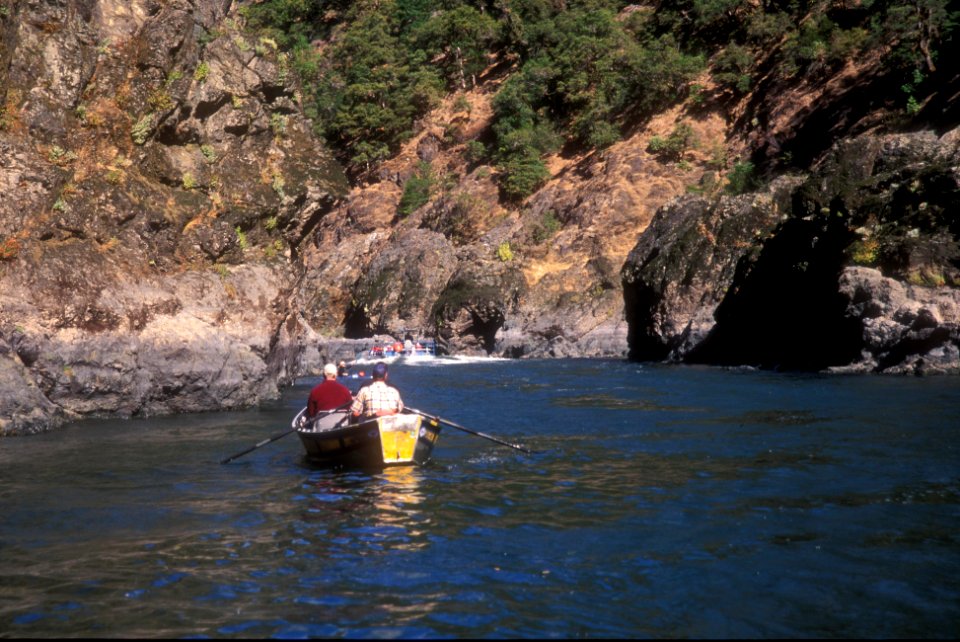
(783, 310)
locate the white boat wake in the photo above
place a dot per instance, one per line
(427, 360)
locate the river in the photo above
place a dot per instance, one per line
(663, 501)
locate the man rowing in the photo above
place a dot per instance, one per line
(329, 394)
(377, 399)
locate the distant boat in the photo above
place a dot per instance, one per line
(390, 352)
(392, 440)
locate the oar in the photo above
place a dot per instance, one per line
(280, 434)
(472, 432)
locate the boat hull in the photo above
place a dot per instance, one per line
(395, 440)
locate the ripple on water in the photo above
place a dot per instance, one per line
(611, 402)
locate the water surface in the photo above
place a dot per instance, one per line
(663, 502)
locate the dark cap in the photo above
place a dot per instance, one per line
(380, 370)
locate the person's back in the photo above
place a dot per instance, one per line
(329, 394)
(378, 398)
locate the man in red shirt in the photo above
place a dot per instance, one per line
(329, 394)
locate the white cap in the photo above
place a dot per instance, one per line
(330, 369)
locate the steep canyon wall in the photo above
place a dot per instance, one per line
(174, 237)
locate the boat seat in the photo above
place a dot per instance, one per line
(327, 422)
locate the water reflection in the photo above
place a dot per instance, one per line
(378, 511)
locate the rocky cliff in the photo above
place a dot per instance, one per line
(175, 237)
(851, 268)
(158, 179)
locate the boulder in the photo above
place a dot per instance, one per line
(907, 329)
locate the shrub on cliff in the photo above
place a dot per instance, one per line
(584, 68)
(586, 72)
(742, 178)
(416, 191)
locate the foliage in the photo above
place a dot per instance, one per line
(372, 88)
(676, 144)
(416, 191)
(9, 248)
(909, 88)
(582, 69)
(459, 39)
(741, 178)
(865, 251)
(586, 71)
(201, 72)
(548, 226)
(278, 124)
(141, 130)
(505, 252)
(732, 67)
(160, 100)
(291, 23)
(278, 184)
(474, 151)
(60, 156)
(524, 172)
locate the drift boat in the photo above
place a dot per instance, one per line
(392, 440)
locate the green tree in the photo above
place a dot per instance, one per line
(585, 72)
(292, 23)
(915, 29)
(524, 173)
(741, 178)
(461, 37)
(416, 191)
(732, 67)
(372, 89)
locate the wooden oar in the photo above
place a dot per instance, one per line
(280, 434)
(472, 432)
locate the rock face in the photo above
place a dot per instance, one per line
(159, 180)
(854, 268)
(905, 328)
(482, 275)
(25, 408)
(684, 264)
(174, 238)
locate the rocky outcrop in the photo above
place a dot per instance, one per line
(684, 264)
(398, 285)
(198, 341)
(483, 275)
(25, 408)
(781, 280)
(907, 329)
(160, 180)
